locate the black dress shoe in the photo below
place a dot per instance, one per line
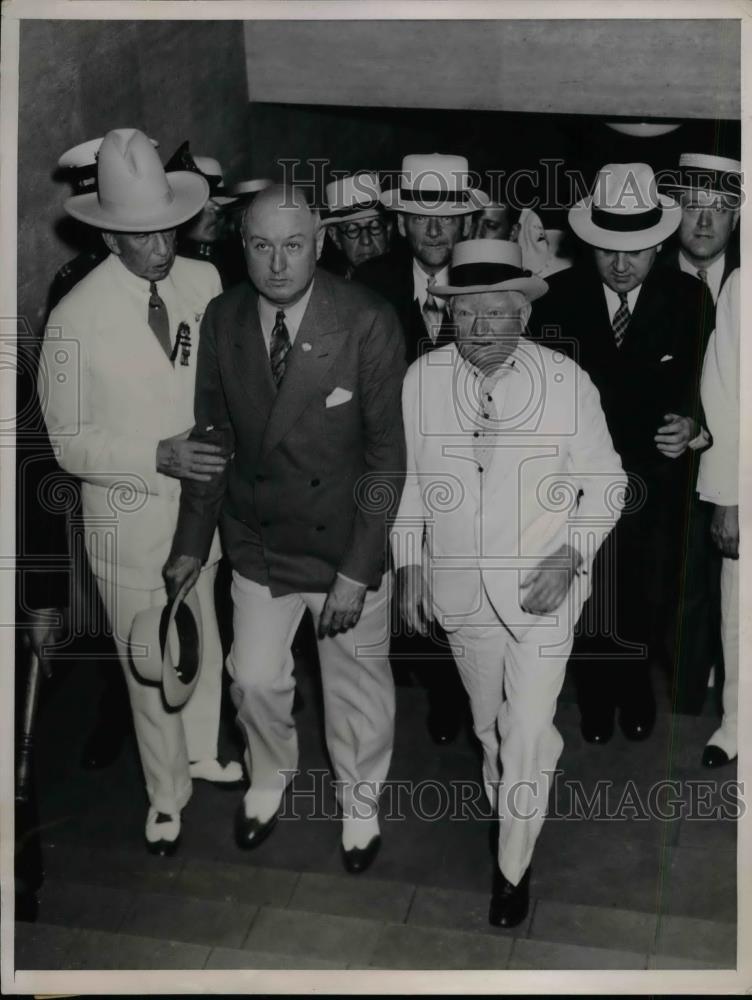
(597, 727)
(163, 848)
(358, 859)
(509, 903)
(637, 725)
(713, 756)
(443, 723)
(249, 833)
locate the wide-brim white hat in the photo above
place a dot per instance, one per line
(348, 199)
(703, 172)
(435, 184)
(80, 164)
(134, 194)
(624, 211)
(166, 645)
(489, 266)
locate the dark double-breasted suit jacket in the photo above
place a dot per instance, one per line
(318, 464)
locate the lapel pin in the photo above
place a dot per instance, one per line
(305, 346)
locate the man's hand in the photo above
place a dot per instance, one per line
(183, 459)
(674, 436)
(342, 606)
(546, 586)
(179, 571)
(40, 634)
(413, 598)
(724, 530)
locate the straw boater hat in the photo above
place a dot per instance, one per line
(207, 166)
(434, 184)
(246, 188)
(703, 172)
(166, 646)
(351, 198)
(80, 164)
(625, 211)
(134, 195)
(489, 266)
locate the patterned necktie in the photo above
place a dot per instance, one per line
(620, 322)
(487, 420)
(279, 346)
(433, 311)
(159, 321)
(702, 274)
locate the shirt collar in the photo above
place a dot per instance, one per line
(714, 271)
(293, 314)
(613, 301)
(489, 382)
(133, 281)
(420, 282)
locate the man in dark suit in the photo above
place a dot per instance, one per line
(637, 331)
(434, 205)
(358, 227)
(301, 372)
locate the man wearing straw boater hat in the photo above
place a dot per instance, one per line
(512, 484)
(116, 379)
(636, 330)
(356, 222)
(434, 202)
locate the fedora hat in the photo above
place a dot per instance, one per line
(624, 210)
(207, 166)
(351, 198)
(134, 194)
(703, 172)
(489, 266)
(434, 184)
(80, 164)
(166, 644)
(249, 187)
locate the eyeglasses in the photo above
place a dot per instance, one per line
(353, 230)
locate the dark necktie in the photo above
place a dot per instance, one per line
(159, 321)
(433, 311)
(702, 274)
(620, 322)
(279, 346)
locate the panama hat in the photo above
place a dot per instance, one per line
(624, 210)
(166, 645)
(80, 164)
(134, 194)
(489, 266)
(253, 186)
(351, 198)
(703, 172)
(207, 166)
(434, 184)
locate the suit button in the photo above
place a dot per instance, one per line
(315, 482)
(320, 527)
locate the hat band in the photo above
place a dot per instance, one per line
(484, 273)
(185, 623)
(84, 179)
(633, 222)
(432, 198)
(215, 183)
(360, 206)
(722, 181)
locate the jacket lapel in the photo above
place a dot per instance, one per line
(250, 359)
(317, 343)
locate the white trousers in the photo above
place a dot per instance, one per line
(512, 687)
(167, 739)
(358, 695)
(725, 736)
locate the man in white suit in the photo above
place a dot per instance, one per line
(512, 484)
(116, 382)
(718, 483)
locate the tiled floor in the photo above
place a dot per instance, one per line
(630, 893)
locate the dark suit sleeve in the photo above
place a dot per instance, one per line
(200, 503)
(377, 493)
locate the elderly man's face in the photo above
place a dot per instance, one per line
(491, 224)
(623, 270)
(362, 239)
(489, 325)
(282, 240)
(708, 220)
(148, 255)
(431, 237)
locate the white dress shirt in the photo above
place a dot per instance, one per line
(420, 283)
(714, 272)
(613, 301)
(267, 312)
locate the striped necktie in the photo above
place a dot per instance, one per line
(279, 347)
(158, 319)
(621, 319)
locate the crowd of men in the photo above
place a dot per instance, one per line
(410, 414)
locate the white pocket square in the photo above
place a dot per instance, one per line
(338, 396)
(667, 357)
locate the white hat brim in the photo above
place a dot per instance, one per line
(364, 213)
(176, 692)
(476, 200)
(222, 199)
(531, 287)
(608, 239)
(190, 194)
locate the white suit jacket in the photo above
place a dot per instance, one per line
(718, 477)
(554, 478)
(109, 395)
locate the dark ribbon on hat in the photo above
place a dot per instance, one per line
(187, 629)
(484, 273)
(633, 222)
(360, 206)
(432, 198)
(84, 179)
(182, 159)
(723, 181)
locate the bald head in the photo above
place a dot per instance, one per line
(282, 237)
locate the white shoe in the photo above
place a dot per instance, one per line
(210, 769)
(162, 832)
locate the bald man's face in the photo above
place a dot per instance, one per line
(282, 244)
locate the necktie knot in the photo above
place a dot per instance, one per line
(702, 274)
(433, 310)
